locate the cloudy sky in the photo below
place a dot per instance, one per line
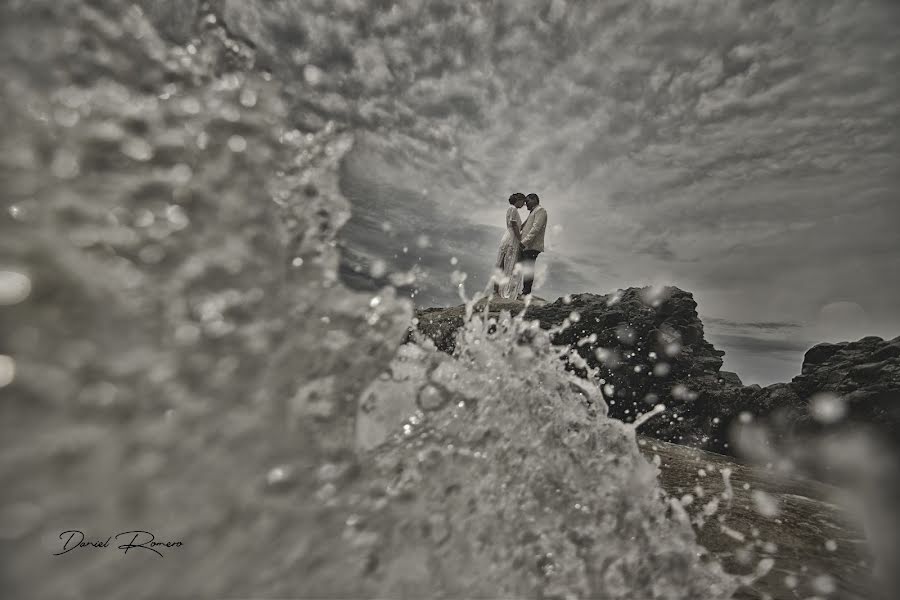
(747, 151)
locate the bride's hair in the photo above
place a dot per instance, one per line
(516, 197)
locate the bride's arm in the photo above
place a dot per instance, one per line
(513, 224)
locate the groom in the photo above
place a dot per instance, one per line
(532, 239)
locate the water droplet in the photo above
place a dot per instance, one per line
(177, 217)
(248, 98)
(7, 370)
(430, 398)
(297, 262)
(831, 545)
(237, 143)
(144, 218)
(181, 174)
(14, 287)
(330, 471)
(378, 268)
(137, 149)
(280, 477)
(765, 504)
(609, 358)
(827, 408)
(65, 165)
(625, 334)
(312, 74)
(458, 277)
(824, 584)
(191, 106)
(681, 392)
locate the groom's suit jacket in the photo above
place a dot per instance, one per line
(533, 230)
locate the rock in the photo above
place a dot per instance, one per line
(820, 353)
(647, 345)
(865, 373)
(729, 378)
(800, 544)
(892, 350)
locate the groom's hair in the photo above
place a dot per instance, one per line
(516, 197)
(534, 197)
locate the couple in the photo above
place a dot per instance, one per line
(520, 247)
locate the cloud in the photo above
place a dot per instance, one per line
(759, 345)
(752, 324)
(745, 150)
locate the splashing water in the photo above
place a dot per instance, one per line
(556, 493)
(187, 361)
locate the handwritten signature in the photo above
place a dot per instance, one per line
(147, 542)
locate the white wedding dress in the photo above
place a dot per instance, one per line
(508, 257)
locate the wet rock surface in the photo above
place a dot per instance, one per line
(647, 346)
(842, 388)
(835, 422)
(817, 544)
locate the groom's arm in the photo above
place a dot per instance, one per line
(540, 222)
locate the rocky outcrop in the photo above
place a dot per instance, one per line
(646, 345)
(840, 385)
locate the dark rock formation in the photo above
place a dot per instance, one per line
(840, 385)
(648, 347)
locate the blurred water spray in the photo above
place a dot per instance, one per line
(187, 361)
(180, 354)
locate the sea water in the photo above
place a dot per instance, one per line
(181, 357)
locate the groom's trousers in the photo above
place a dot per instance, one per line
(528, 259)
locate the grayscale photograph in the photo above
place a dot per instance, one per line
(450, 299)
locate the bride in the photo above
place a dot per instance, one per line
(510, 282)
